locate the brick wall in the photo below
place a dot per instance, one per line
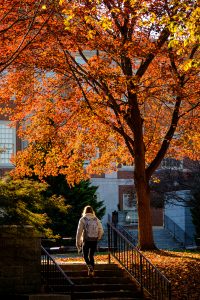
(125, 174)
(20, 260)
(157, 216)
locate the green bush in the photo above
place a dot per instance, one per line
(52, 207)
(23, 202)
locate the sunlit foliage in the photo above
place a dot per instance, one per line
(119, 78)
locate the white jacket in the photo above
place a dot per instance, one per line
(80, 229)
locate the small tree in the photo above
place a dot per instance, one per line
(23, 202)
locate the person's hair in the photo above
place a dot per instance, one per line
(88, 209)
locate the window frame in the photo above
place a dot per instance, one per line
(5, 163)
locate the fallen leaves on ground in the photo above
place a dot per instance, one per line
(181, 268)
(73, 258)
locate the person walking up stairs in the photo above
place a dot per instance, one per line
(89, 232)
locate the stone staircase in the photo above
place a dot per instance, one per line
(163, 239)
(110, 282)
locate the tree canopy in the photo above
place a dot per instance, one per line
(115, 77)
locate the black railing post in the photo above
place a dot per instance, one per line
(51, 271)
(48, 272)
(170, 291)
(144, 272)
(109, 247)
(141, 277)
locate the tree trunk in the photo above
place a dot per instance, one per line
(145, 233)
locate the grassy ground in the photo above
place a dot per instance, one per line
(181, 268)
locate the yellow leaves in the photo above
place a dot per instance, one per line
(91, 34)
(155, 179)
(88, 19)
(133, 2)
(184, 29)
(115, 10)
(172, 27)
(105, 22)
(153, 17)
(187, 65)
(67, 20)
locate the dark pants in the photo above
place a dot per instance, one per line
(89, 248)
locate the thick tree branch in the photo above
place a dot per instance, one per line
(167, 139)
(144, 65)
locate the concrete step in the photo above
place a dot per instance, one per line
(114, 298)
(98, 280)
(109, 282)
(36, 297)
(104, 287)
(82, 266)
(164, 240)
(108, 294)
(98, 273)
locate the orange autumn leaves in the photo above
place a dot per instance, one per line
(182, 269)
(76, 110)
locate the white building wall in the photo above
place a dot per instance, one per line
(176, 213)
(176, 209)
(180, 213)
(108, 191)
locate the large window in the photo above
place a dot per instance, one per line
(129, 201)
(172, 164)
(7, 143)
(129, 205)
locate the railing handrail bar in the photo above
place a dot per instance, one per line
(186, 235)
(126, 231)
(137, 250)
(58, 267)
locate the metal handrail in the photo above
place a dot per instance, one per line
(53, 276)
(149, 278)
(126, 233)
(177, 232)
